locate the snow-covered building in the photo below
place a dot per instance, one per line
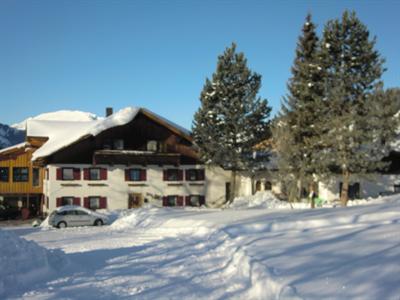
(122, 161)
(21, 182)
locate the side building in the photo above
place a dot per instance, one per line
(21, 182)
(127, 159)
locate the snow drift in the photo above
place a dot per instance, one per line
(23, 263)
(265, 199)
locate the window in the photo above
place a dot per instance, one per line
(35, 177)
(94, 174)
(68, 174)
(118, 144)
(81, 213)
(353, 192)
(4, 174)
(113, 144)
(107, 145)
(67, 201)
(20, 174)
(135, 175)
(173, 175)
(396, 188)
(171, 201)
(94, 202)
(268, 186)
(194, 174)
(152, 146)
(194, 200)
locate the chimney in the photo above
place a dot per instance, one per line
(109, 111)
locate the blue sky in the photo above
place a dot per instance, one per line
(87, 55)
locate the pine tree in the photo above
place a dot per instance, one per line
(354, 132)
(232, 119)
(297, 133)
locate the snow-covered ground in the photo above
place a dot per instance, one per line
(198, 253)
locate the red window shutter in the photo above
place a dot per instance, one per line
(202, 174)
(86, 174)
(58, 202)
(180, 175)
(165, 201)
(187, 201)
(103, 174)
(127, 175)
(179, 201)
(202, 200)
(86, 202)
(77, 201)
(77, 174)
(103, 202)
(59, 174)
(165, 175)
(143, 175)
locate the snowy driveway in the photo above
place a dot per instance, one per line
(351, 253)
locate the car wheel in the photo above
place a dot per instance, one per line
(98, 222)
(62, 225)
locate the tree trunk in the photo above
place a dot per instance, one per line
(233, 185)
(312, 194)
(344, 195)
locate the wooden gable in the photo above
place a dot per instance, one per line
(135, 136)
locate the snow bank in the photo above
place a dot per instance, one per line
(264, 200)
(23, 263)
(267, 200)
(138, 218)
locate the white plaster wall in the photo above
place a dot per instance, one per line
(369, 187)
(265, 176)
(117, 190)
(216, 178)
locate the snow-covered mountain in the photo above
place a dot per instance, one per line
(10, 136)
(61, 115)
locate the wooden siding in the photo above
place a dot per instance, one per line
(20, 158)
(135, 135)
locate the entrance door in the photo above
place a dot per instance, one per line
(135, 200)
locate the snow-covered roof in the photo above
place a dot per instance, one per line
(61, 134)
(14, 147)
(61, 115)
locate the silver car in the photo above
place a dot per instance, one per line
(72, 215)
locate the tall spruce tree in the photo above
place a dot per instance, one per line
(356, 136)
(297, 131)
(232, 119)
